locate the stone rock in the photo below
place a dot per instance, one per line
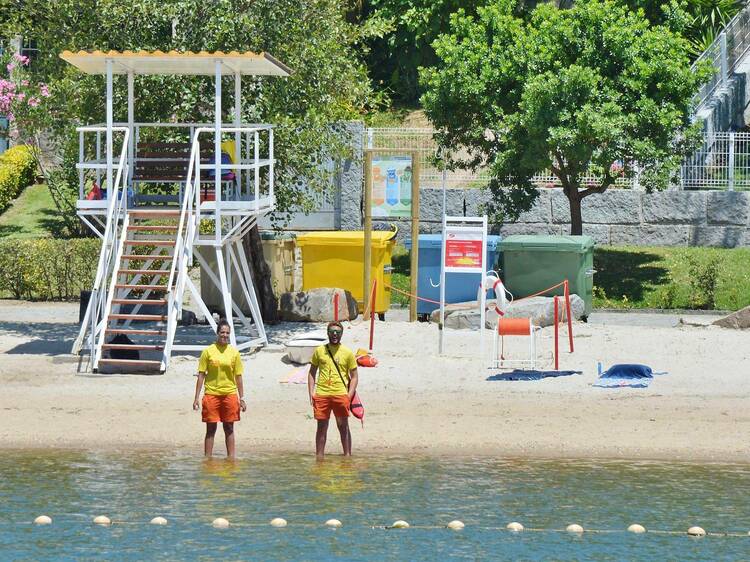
(541, 310)
(615, 206)
(316, 305)
(650, 235)
(510, 229)
(674, 207)
(717, 236)
(728, 207)
(738, 320)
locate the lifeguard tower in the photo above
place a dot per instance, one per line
(171, 193)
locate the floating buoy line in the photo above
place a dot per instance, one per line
(400, 524)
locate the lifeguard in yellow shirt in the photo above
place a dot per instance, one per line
(220, 369)
(335, 366)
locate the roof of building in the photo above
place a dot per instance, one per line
(176, 62)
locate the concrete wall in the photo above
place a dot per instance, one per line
(616, 217)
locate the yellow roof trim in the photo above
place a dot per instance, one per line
(176, 62)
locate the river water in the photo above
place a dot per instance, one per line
(366, 493)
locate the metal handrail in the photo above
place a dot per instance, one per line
(114, 208)
(725, 53)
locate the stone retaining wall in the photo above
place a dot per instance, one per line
(616, 217)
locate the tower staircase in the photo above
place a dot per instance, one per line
(137, 316)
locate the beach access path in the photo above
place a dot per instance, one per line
(416, 401)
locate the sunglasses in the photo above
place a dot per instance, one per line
(336, 331)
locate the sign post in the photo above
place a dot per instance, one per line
(392, 191)
(464, 251)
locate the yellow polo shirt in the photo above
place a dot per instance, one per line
(327, 381)
(221, 365)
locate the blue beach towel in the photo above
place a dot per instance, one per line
(529, 375)
(630, 375)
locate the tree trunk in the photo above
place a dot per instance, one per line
(261, 273)
(576, 221)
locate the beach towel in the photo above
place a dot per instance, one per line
(530, 375)
(631, 375)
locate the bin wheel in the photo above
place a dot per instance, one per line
(381, 316)
(423, 317)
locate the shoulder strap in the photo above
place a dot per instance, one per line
(328, 349)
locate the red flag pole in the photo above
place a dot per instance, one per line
(372, 311)
(557, 330)
(336, 306)
(570, 316)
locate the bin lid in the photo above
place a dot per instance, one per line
(380, 239)
(436, 241)
(547, 243)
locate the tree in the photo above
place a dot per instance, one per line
(593, 89)
(406, 44)
(328, 85)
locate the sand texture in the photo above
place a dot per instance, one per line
(416, 401)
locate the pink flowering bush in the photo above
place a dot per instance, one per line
(21, 101)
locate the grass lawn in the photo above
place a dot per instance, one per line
(646, 277)
(32, 215)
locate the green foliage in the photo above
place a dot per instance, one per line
(17, 169)
(703, 279)
(406, 43)
(47, 269)
(672, 278)
(328, 84)
(594, 88)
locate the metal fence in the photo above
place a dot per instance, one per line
(722, 162)
(421, 140)
(725, 54)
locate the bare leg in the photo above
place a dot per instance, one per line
(320, 438)
(346, 435)
(229, 438)
(208, 443)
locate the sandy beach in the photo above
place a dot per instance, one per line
(416, 401)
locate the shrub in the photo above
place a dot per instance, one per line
(46, 268)
(703, 281)
(17, 169)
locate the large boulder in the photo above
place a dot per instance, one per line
(540, 309)
(738, 320)
(316, 305)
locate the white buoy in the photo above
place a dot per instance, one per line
(220, 523)
(514, 526)
(696, 532)
(574, 528)
(456, 525)
(334, 523)
(636, 528)
(43, 520)
(158, 521)
(102, 520)
(400, 524)
(278, 522)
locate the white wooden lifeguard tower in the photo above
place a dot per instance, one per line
(205, 206)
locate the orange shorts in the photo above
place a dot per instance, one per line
(220, 408)
(323, 405)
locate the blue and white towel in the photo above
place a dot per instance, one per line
(631, 375)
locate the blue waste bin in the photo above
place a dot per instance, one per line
(459, 287)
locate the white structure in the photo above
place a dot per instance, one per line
(170, 198)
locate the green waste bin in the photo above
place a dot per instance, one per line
(533, 263)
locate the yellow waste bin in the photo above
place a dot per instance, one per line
(336, 259)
